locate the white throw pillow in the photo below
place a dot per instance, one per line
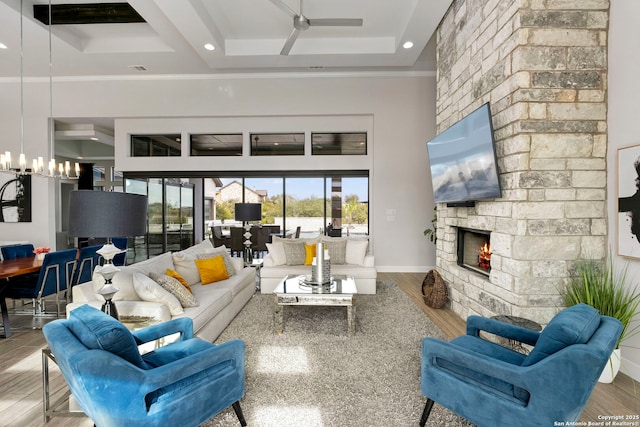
(356, 251)
(185, 265)
(149, 290)
(276, 250)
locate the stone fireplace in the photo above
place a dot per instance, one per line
(543, 67)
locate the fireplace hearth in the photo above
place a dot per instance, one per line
(474, 250)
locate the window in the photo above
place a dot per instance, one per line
(277, 144)
(216, 145)
(98, 173)
(354, 143)
(155, 145)
(335, 205)
(170, 204)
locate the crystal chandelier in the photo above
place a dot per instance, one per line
(63, 170)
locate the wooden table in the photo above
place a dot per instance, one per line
(12, 268)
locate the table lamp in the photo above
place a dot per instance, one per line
(246, 212)
(104, 214)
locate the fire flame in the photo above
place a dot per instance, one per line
(485, 250)
(484, 260)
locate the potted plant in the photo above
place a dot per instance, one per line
(431, 232)
(602, 286)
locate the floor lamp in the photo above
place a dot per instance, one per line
(106, 214)
(246, 212)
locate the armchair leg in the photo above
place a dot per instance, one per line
(426, 412)
(238, 410)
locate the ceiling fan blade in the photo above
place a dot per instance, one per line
(284, 7)
(336, 22)
(290, 41)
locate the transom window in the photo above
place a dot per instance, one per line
(277, 144)
(216, 144)
(338, 143)
(155, 145)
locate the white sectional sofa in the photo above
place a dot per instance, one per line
(349, 256)
(217, 303)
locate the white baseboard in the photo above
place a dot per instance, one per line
(630, 368)
(403, 269)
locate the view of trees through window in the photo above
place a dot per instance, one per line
(316, 205)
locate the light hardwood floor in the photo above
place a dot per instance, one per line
(21, 373)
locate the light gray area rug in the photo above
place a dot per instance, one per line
(315, 375)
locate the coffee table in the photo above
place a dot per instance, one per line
(293, 290)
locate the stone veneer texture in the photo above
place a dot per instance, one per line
(543, 66)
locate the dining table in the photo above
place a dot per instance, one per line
(12, 268)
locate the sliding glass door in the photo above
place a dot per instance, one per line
(335, 205)
(169, 215)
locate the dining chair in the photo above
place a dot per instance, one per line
(262, 236)
(120, 243)
(54, 277)
(217, 238)
(88, 259)
(236, 242)
(17, 251)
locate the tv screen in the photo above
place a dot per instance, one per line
(463, 160)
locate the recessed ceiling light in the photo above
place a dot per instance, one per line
(209, 46)
(3, 46)
(93, 138)
(407, 45)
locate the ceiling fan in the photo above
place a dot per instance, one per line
(302, 23)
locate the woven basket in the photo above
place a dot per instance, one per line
(434, 290)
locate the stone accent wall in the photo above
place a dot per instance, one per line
(543, 66)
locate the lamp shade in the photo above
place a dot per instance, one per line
(248, 211)
(106, 214)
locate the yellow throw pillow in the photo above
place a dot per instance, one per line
(177, 276)
(211, 269)
(309, 254)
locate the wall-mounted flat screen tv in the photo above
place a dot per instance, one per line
(463, 160)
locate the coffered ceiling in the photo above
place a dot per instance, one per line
(248, 36)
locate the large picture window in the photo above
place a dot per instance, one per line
(336, 205)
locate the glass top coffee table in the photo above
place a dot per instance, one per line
(293, 290)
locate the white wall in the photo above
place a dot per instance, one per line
(624, 93)
(401, 109)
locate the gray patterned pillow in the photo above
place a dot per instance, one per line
(220, 250)
(177, 289)
(337, 250)
(294, 252)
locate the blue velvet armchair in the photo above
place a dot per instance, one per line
(491, 385)
(183, 383)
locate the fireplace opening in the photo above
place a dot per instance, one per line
(474, 250)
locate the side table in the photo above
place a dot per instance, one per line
(523, 323)
(50, 409)
(257, 264)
